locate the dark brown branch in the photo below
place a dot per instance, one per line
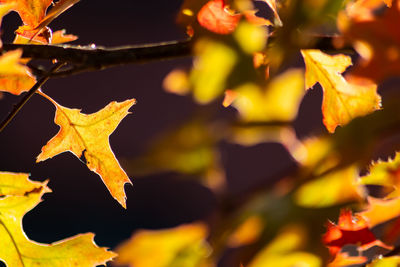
(27, 96)
(86, 58)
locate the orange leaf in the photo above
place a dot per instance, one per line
(20, 195)
(215, 17)
(30, 11)
(350, 230)
(381, 210)
(375, 37)
(14, 77)
(88, 135)
(343, 259)
(342, 101)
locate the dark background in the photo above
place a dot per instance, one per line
(80, 202)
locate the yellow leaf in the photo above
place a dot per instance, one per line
(393, 261)
(212, 66)
(331, 189)
(182, 246)
(20, 195)
(342, 101)
(284, 251)
(279, 101)
(251, 38)
(14, 77)
(247, 232)
(89, 135)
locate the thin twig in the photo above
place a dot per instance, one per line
(30, 93)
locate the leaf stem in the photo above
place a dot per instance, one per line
(30, 93)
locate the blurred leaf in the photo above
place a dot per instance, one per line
(279, 101)
(331, 189)
(344, 259)
(182, 246)
(393, 261)
(247, 233)
(285, 251)
(214, 62)
(381, 210)
(250, 37)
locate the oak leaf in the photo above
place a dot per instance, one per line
(88, 135)
(342, 101)
(14, 77)
(350, 230)
(18, 196)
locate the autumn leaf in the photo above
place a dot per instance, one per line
(272, 5)
(392, 261)
(344, 259)
(375, 37)
(381, 210)
(215, 17)
(350, 230)
(342, 101)
(331, 189)
(183, 245)
(247, 232)
(88, 136)
(285, 250)
(18, 196)
(14, 77)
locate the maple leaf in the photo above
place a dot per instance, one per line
(88, 135)
(350, 230)
(183, 245)
(18, 196)
(342, 101)
(375, 37)
(14, 77)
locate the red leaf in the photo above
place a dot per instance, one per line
(216, 18)
(350, 230)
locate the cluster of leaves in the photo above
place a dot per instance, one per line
(242, 58)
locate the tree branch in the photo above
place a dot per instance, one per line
(85, 58)
(30, 93)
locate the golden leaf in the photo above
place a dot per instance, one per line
(342, 101)
(88, 135)
(20, 195)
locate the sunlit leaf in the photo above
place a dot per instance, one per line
(182, 246)
(342, 101)
(20, 195)
(14, 77)
(88, 136)
(392, 261)
(331, 189)
(285, 251)
(381, 210)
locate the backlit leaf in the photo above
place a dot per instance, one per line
(88, 135)
(14, 77)
(342, 101)
(182, 246)
(285, 251)
(20, 195)
(350, 230)
(381, 210)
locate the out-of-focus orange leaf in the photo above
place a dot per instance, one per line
(184, 245)
(381, 210)
(247, 232)
(375, 37)
(18, 196)
(88, 135)
(342, 101)
(285, 250)
(331, 189)
(215, 17)
(350, 230)
(177, 81)
(14, 77)
(344, 259)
